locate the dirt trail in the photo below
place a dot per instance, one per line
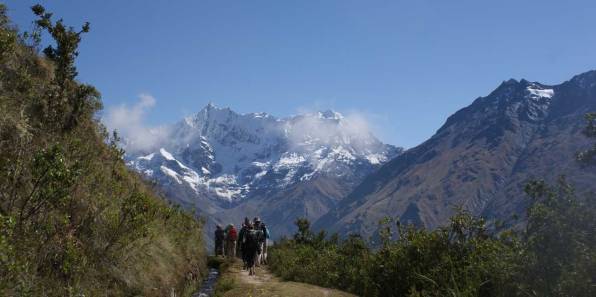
(265, 284)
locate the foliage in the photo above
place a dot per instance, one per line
(554, 256)
(560, 242)
(223, 285)
(73, 219)
(304, 235)
(589, 156)
(461, 260)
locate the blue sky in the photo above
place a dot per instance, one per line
(404, 65)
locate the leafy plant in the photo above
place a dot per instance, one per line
(73, 219)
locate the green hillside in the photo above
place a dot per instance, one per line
(73, 219)
(553, 255)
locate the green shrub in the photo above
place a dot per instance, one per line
(223, 285)
(461, 260)
(73, 219)
(553, 257)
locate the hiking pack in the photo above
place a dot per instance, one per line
(232, 234)
(251, 240)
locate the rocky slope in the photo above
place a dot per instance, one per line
(228, 165)
(479, 159)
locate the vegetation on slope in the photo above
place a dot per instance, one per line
(554, 256)
(73, 219)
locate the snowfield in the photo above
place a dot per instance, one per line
(227, 155)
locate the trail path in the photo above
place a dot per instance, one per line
(265, 284)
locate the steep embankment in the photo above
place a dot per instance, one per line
(74, 221)
(236, 283)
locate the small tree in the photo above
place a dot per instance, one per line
(304, 235)
(559, 237)
(68, 100)
(560, 242)
(589, 156)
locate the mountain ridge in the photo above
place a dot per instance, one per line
(254, 139)
(479, 159)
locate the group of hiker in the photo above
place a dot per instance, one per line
(250, 243)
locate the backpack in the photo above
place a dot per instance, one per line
(260, 236)
(250, 239)
(266, 231)
(242, 235)
(219, 235)
(232, 234)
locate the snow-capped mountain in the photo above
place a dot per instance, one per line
(218, 159)
(227, 155)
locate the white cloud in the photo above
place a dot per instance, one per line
(145, 101)
(353, 129)
(129, 122)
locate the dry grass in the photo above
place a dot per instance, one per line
(161, 267)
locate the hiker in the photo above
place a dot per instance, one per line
(219, 240)
(260, 237)
(231, 237)
(266, 236)
(242, 241)
(251, 248)
(239, 241)
(225, 241)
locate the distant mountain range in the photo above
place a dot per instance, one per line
(228, 165)
(480, 159)
(329, 169)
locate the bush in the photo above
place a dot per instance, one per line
(223, 285)
(461, 260)
(560, 243)
(554, 256)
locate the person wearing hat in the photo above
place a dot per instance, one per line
(251, 249)
(260, 237)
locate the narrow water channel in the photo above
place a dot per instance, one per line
(208, 287)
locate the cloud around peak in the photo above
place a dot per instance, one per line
(328, 126)
(129, 122)
(354, 127)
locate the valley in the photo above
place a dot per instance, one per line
(226, 165)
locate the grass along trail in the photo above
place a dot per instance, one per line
(235, 282)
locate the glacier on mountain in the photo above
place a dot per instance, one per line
(227, 156)
(541, 93)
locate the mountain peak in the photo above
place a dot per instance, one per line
(226, 155)
(214, 112)
(507, 86)
(585, 80)
(330, 115)
(511, 81)
(211, 107)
